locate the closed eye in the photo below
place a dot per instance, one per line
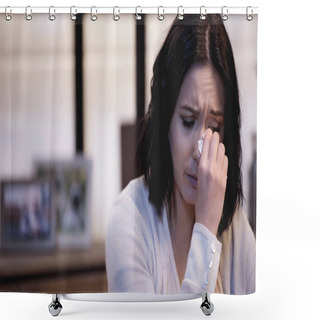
(215, 129)
(188, 123)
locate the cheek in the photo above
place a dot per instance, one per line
(173, 140)
(180, 147)
(176, 145)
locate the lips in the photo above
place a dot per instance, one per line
(193, 179)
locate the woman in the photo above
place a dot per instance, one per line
(178, 228)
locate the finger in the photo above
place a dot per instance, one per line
(214, 147)
(220, 154)
(225, 166)
(206, 145)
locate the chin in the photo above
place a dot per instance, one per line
(186, 193)
(189, 195)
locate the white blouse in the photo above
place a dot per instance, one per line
(139, 254)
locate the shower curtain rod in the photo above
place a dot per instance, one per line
(160, 10)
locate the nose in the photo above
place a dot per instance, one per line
(196, 154)
(197, 147)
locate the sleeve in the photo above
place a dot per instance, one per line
(251, 263)
(127, 255)
(203, 262)
(243, 262)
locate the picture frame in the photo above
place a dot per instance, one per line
(71, 181)
(27, 218)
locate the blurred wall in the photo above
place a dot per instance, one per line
(37, 95)
(109, 102)
(37, 92)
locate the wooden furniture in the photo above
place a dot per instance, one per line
(62, 271)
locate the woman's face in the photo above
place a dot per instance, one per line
(200, 105)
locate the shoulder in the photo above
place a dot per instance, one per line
(130, 241)
(238, 255)
(240, 220)
(135, 187)
(131, 210)
(239, 232)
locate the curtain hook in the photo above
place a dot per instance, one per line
(249, 17)
(203, 13)
(160, 16)
(7, 15)
(224, 13)
(93, 16)
(52, 17)
(180, 13)
(28, 13)
(116, 16)
(73, 15)
(138, 16)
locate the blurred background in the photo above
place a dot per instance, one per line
(71, 94)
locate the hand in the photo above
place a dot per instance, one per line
(212, 181)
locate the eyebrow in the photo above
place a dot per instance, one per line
(192, 110)
(196, 111)
(217, 113)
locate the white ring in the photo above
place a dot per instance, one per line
(138, 16)
(116, 17)
(73, 16)
(160, 16)
(224, 16)
(249, 17)
(52, 17)
(93, 16)
(203, 15)
(28, 14)
(7, 15)
(180, 14)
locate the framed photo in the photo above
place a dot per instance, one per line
(71, 195)
(27, 219)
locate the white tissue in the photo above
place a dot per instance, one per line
(200, 145)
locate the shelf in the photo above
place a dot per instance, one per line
(63, 271)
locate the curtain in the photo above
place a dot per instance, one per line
(61, 81)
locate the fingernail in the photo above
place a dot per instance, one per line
(205, 133)
(200, 145)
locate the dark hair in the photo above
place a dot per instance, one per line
(189, 41)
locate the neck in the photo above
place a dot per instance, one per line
(182, 219)
(181, 227)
